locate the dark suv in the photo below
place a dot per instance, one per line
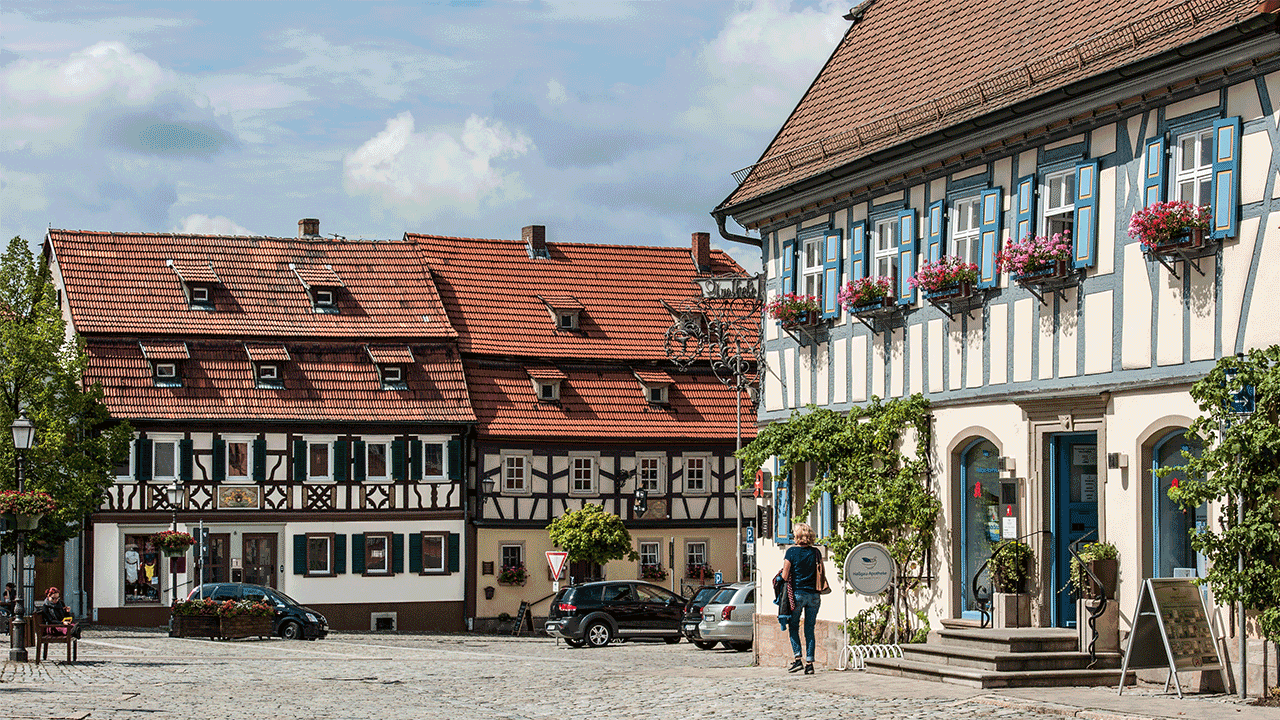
(595, 613)
(292, 622)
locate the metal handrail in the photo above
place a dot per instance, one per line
(1097, 612)
(984, 601)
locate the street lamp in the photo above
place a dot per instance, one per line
(23, 437)
(174, 493)
(486, 486)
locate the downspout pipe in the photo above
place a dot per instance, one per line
(724, 232)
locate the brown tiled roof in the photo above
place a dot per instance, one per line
(560, 302)
(260, 352)
(602, 403)
(195, 272)
(316, 276)
(908, 69)
(121, 283)
(653, 377)
(390, 354)
(492, 287)
(164, 350)
(322, 383)
(544, 372)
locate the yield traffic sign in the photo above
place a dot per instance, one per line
(555, 560)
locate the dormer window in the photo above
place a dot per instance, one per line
(546, 381)
(392, 377)
(268, 375)
(165, 374)
(391, 361)
(655, 384)
(324, 298)
(267, 360)
(322, 285)
(568, 321)
(166, 370)
(200, 298)
(565, 311)
(166, 361)
(548, 390)
(658, 394)
(197, 280)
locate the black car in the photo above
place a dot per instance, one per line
(693, 614)
(292, 622)
(596, 613)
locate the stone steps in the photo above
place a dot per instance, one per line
(972, 677)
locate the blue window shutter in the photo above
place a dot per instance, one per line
(1226, 178)
(782, 512)
(860, 263)
(397, 552)
(455, 459)
(832, 271)
(415, 552)
(299, 460)
(1153, 182)
(907, 249)
(259, 460)
(828, 515)
(454, 554)
(357, 554)
(937, 225)
(184, 460)
(339, 554)
(358, 459)
(992, 207)
(219, 460)
(1085, 227)
(788, 266)
(340, 461)
(143, 460)
(1025, 221)
(299, 554)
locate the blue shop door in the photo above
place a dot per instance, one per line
(1075, 495)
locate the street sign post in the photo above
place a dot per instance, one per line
(555, 561)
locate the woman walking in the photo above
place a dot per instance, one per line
(802, 569)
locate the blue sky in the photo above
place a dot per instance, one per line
(605, 121)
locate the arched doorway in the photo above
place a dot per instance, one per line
(980, 515)
(1172, 555)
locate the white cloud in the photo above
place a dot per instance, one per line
(556, 92)
(420, 174)
(204, 225)
(388, 71)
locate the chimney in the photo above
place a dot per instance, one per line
(702, 251)
(309, 227)
(535, 237)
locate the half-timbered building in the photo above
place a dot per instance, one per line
(304, 402)
(958, 128)
(577, 403)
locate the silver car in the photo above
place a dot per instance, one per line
(727, 617)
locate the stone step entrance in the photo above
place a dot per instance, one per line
(1022, 657)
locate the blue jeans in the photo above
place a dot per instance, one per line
(807, 602)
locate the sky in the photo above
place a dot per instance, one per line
(614, 122)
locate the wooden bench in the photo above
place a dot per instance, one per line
(46, 637)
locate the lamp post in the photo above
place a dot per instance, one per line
(174, 492)
(725, 325)
(23, 437)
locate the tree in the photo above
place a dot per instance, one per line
(1239, 465)
(859, 459)
(592, 535)
(76, 444)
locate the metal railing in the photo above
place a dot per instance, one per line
(983, 595)
(1101, 608)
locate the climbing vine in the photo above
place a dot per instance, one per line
(879, 491)
(1240, 463)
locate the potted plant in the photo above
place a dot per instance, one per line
(793, 310)
(504, 623)
(1169, 225)
(1103, 559)
(513, 574)
(195, 618)
(1036, 257)
(865, 294)
(1010, 567)
(946, 278)
(652, 572)
(695, 571)
(173, 543)
(26, 508)
(244, 618)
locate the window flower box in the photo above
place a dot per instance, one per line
(513, 575)
(947, 277)
(652, 572)
(1172, 231)
(866, 294)
(699, 572)
(793, 311)
(1036, 257)
(955, 291)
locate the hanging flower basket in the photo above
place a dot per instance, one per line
(793, 310)
(1170, 226)
(947, 278)
(13, 502)
(866, 294)
(173, 544)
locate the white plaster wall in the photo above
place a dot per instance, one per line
(999, 344)
(895, 363)
(1102, 141)
(1097, 328)
(1262, 329)
(936, 383)
(1190, 105)
(1068, 335)
(858, 368)
(1135, 329)
(1236, 260)
(1204, 308)
(1242, 100)
(1107, 230)
(805, 373)
(840, 366)
(1255, 163)
(915, 375)
(973, 350)
(822, 389)
(1073, 140)
(955, 354)
(1023, 333)
(878, 365)
(1044, 341)
(772, 384)
(1169, 315)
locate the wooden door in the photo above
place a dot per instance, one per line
(260, 559)
(216, 563)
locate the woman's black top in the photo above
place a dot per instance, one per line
(53, 612)
(804, 566)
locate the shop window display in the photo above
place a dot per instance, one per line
(141, 570)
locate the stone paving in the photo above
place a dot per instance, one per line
(129, 674)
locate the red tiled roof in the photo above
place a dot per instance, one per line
(260, 352)
(653, 377)
(602, 402)
(560, 302)
(390, 354)
(322, 383)
(164, 350)
(907, 70)
(492, 287)
(120, 283)
(544, 372)
(316, 275)
(195, 272)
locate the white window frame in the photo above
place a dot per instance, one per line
(443, 442)
(158, 438)
(267, 375)
(1198, 175)
(539, 390)
(329, 569)
(391, 377)
(705, 460)
(327, 441)
(885, 239)
(811, 257)
(227, 440)
(166, 371)
(966, 240)
(386, 441)
(324, 298)
(526, 465)
(574, 477)
(132, 467)
(199, 295)
(1056, 218)
(443, 537)
(657, 551)
(659, 481)
(388, 553)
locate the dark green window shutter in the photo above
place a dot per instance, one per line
(219, 460)
(454, 553)
(299, 554)
(1226, 178)
(339, 554)
(415, 552)
(992, 207)
(937, 230)
(906, 256)
(299, 460)
(1025, 222)
(1085, 227)
(860, 263)
(455, 459)
(397, 460)
(259, 460)
(184, 460)
(144, 460)
(357, 461)
(340, 461)
(788, 266)
(415, 460)
(1153, 184)
(357, 554)
(397, 553)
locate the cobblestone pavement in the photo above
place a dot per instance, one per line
(129, 674)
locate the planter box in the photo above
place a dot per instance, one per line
(1060, 269)
(23, 522)
(1010, 610)
(804, 320)
(1190, 240)
(873, 306)
(244, 626)
(951, 292)
(194, 626)
(1108, 571)
(1107, 624)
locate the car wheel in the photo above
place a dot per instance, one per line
(738, 646)
(291, 631)
(672, 640)
(574, 643)
(599, 635)
(703, 644)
